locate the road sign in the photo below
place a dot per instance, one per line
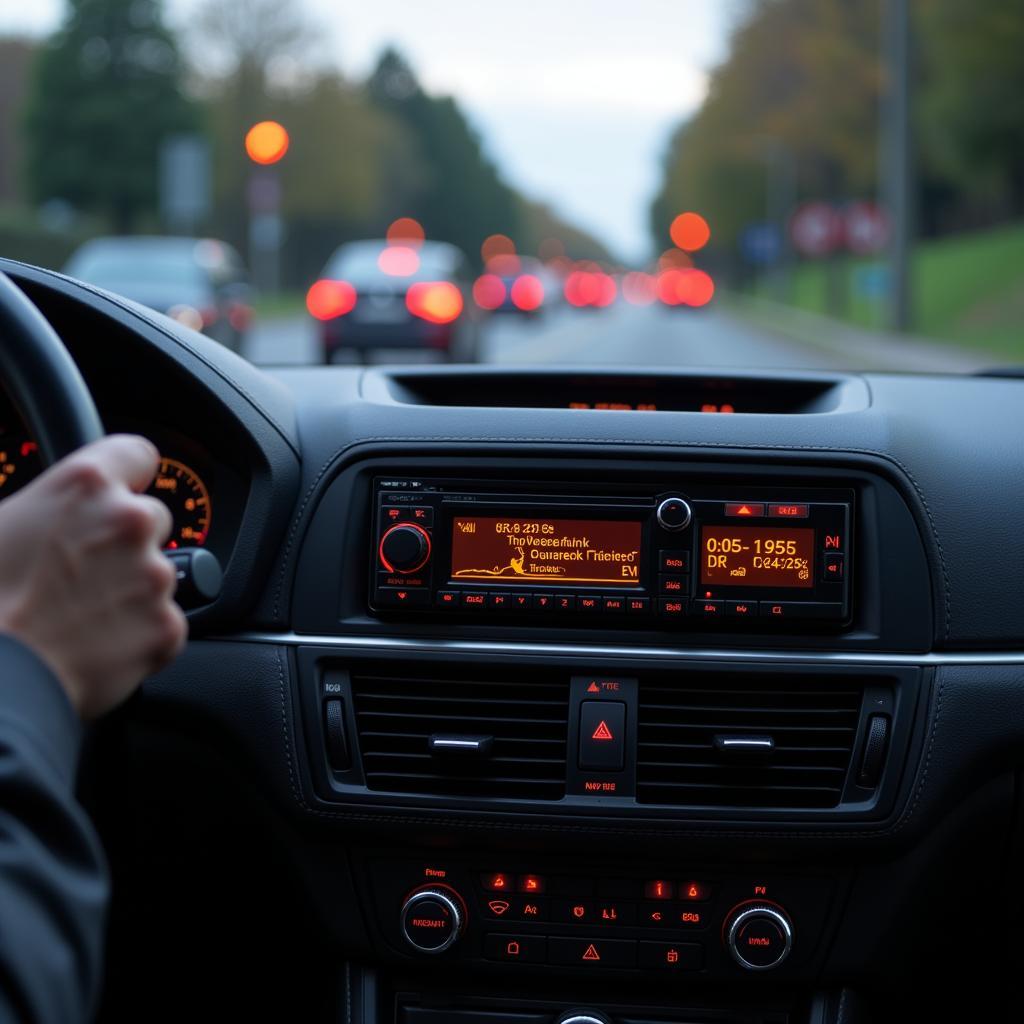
(816, 229)
(761, 244)
(184, 182)
(871, 282)
(867, 228)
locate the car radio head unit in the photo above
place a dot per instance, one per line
(646, 560)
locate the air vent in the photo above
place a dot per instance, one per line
(515, 733)
(799, 735)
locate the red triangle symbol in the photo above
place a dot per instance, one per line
(593, 688)
(591, 953)
(743, 511)
(602, 732)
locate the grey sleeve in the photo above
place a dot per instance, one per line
(53, 877)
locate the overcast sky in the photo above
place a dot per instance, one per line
(574, 99)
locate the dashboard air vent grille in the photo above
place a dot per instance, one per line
(688, 728)
(521, 727)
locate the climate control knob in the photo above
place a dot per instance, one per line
(759, 936)
(404, 548)
(674, 514)
(432, 919)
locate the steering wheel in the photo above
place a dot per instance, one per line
(42, 380)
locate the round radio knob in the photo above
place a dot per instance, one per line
(432, 920)
(404, 548)
(674, 514)
(759, 936)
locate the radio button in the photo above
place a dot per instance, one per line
(673, 560)
(543, 602)
(588, 603)
(474, 600)
(521, 602)
(741, 609)
(745, 509)
(801, 610)
(674, 585)
(638, 605)
(710, 609)
(498, 601)
(672, 607)
(788, 511)
(565, 603)
(447, 599)
(833, 566)
(402, 597)
(613, 603)
(408, 514)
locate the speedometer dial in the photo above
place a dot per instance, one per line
(182, 490)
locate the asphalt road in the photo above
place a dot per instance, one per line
(653, 336)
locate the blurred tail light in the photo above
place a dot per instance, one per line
(240, 316)
(590, 288)
(438, 302)
(489, 291)
(527, 293)
(328, 299)
(187, 315)
(696, 288)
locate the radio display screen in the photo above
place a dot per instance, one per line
(515, 549)
(756, 556)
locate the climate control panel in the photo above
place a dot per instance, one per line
(531, 917)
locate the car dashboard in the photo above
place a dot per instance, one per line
(569, 695)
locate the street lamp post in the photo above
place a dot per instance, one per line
(265, 143)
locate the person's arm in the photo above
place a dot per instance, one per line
(53, 879)
(86, 611)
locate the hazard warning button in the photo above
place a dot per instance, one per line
(602, 735)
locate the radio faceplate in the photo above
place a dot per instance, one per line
(626, 559)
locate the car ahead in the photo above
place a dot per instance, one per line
(376, 294)
(200, 282)
(517, 285)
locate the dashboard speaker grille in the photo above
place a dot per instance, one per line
(520, 727)
(684, 725)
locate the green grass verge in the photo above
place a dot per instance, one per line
(968, 290)
(276, 305)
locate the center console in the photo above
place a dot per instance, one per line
(596, 705)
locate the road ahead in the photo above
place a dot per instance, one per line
(653, 336)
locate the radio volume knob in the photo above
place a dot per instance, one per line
(404, 548)
(674, 514)
(432, 919)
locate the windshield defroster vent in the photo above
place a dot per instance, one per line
(463, 737)
(733, 741)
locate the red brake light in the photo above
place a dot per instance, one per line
(240, 316)
(606, 290)
(328, 299)
(489, 291)
(527, 293)
(438, 302)
(695, 287)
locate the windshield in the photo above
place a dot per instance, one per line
(760, 183)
